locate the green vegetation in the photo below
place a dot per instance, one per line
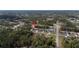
(12, 36)
(71, 42)
(24, 38)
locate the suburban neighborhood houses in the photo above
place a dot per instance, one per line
(52, 29)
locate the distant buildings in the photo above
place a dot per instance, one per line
(52, 30)
(49, 18)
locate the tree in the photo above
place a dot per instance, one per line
(71, 42)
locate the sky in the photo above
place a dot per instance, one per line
(39, 5)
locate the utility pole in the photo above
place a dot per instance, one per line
(57, 35)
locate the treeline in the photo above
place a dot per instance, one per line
(24, 38)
